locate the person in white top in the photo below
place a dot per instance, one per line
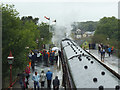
(42, 78)
(38, 56)
(36, 79)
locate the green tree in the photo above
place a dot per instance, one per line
(108, 27)
(30, 18)
(15, 37)
(84, 26)
(45, 33)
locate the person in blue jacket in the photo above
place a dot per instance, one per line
(109, 51)
(49, 75)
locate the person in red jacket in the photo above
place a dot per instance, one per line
(112, 50)
(27, 71)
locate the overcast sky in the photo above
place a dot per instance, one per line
(66, 12)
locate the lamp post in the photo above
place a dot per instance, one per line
(10, 61)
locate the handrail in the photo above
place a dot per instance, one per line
(13, 83)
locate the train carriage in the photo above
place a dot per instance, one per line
(81, 70)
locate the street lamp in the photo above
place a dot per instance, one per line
(10, 61)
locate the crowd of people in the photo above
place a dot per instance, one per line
(105, 49)
(39, 79)
(49, 57)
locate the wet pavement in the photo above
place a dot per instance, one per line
(56, 69)
(112, 61)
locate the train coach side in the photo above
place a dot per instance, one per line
(82, 70)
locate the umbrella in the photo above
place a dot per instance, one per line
(55, 48)
(35, 50)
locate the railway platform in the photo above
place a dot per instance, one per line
(113, 62)
(56, 69)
